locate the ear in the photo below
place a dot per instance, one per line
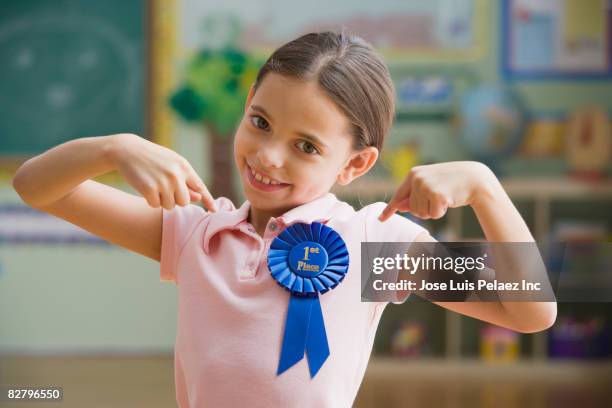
(358, 163)
(250, 96)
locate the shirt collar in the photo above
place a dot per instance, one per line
(229, 217)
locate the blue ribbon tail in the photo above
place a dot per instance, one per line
(296, 330)
(317, 347)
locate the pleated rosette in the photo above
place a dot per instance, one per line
(307, 260)
(333, 263)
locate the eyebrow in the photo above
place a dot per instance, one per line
(305, 135)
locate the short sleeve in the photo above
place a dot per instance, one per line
(395, 229)
(178, 225)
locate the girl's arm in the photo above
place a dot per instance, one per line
(58, 182)
(429, 191)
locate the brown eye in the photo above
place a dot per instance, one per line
(308, 148)
(257, 120)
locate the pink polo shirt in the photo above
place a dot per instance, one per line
(231, 311)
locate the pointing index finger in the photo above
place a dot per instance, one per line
(389, 210)
(199, 187)
(402, 192)
(207, 198)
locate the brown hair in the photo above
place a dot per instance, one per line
(350, 72)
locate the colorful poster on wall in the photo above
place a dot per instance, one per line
(440, 29)
(556, 38)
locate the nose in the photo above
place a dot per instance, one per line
(270, 156)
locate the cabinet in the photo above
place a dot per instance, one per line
(536, 199)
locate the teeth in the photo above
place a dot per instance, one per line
(263, 179)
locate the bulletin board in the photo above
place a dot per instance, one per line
(435, 30)
(556, 39)
(74, 69)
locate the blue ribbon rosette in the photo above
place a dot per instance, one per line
(306, 259)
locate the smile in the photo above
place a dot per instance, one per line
(262, 182)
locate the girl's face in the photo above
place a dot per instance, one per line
(296, 142)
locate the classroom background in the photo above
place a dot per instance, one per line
(522, 85)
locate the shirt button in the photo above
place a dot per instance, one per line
(273, 227)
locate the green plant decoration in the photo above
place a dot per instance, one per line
(213, 93)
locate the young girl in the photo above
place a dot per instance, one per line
(316, 115)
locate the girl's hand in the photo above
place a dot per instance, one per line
(430, 190)
(160, 175)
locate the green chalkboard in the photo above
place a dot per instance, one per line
(69, 69)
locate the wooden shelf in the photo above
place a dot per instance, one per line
(556, 188)
(465, 368)
(516, 187)
(542, 191)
